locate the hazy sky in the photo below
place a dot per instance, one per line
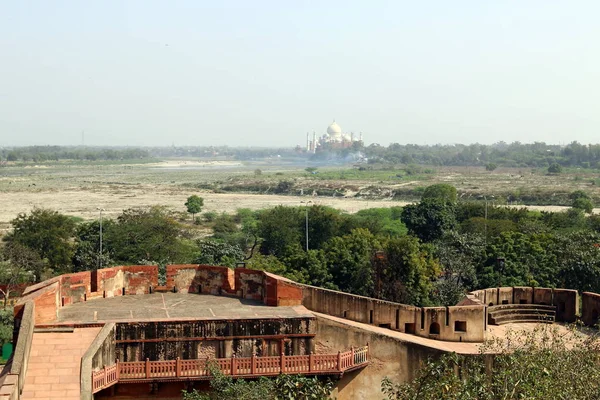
(266, 72)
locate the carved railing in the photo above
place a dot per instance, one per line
(236, 366)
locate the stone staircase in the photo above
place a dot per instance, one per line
(507, 313)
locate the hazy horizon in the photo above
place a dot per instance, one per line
(263, 74)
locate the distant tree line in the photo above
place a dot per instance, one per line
(58, 153)
(515, 154)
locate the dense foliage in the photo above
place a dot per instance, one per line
(515, 154)
(58, 153)
(544, 364)
(295, 387)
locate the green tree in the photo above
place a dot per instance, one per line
(148, 234)
(380, 221)
(440, 191)
(460, 255)
(48, 233)
(578, 255)
(194, 205)
(583, 204)
(280, 230)
(87, 246)
(430, 219)
(528, 261)
(18, 265)
(349, 260)
(409, 272)
(213, 252)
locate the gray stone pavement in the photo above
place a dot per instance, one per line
(174, 306)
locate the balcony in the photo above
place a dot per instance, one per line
(247, 367)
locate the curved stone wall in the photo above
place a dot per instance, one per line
(566, 301)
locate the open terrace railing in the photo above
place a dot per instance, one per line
(314, 364)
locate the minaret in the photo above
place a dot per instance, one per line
(307, 143)
(314, 142)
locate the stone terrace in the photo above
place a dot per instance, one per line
(174, 306)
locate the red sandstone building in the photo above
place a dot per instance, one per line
(114, 333)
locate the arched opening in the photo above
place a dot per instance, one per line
(491, 304)
(434, 328)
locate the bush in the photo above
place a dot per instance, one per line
(542, 364)
(210, 216)
(554, 168)
(283, 387)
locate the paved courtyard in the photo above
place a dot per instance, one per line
(176, 306)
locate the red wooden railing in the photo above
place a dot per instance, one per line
(235, 366)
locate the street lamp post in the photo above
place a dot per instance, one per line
(306, 219)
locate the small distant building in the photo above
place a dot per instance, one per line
(334, 139)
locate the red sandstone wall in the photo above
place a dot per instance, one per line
(249, 284)
(281, 291)
(109, 281)
(75, 287)
(200, 278)
(47, 304)
(138, 278)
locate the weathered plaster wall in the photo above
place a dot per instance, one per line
(401, 317)
(249, 284)
(542, 296)
(566, 301)
(110, 281)
(200, 279)
(567, 304)
(391, 357)
(75, 287)
(139, 278)
(523, 295)
(590, 308)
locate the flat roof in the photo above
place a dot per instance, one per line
(174, 306)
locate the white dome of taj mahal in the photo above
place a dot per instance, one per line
(334, 129)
